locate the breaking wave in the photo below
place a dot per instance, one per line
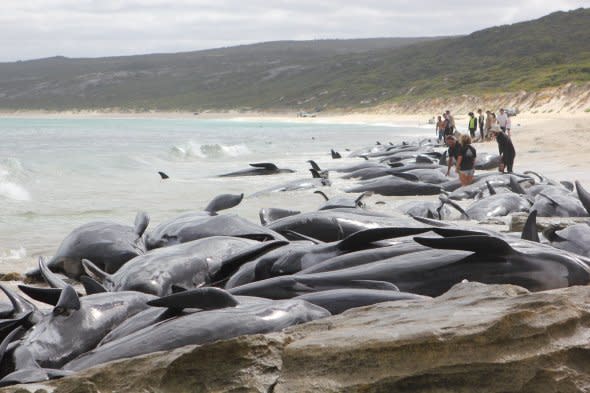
(11, 171)
(193, 150)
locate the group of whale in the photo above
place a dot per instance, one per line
(117, 291)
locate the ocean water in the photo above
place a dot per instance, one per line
(57, 174)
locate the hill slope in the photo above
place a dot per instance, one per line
(549, 51)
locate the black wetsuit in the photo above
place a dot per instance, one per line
(468, 162)
(506, 150)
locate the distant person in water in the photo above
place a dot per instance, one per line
(466, 160)
(480, 121)
(472, 124)
(506, 150)
(453, 152)
(440, 129)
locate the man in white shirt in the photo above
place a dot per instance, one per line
(502, 119)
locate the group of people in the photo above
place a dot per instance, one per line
(462, 154)
(487, 124)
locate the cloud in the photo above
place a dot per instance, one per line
(94, 28)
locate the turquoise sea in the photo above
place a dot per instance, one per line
(56, 174)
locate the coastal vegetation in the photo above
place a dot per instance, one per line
(312, 75)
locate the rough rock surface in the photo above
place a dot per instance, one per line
(475, 338)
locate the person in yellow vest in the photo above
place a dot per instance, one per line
(472, 126)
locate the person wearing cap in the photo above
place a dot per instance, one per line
(506, 150)
(472, 125)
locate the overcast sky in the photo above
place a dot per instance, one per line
(31, 29)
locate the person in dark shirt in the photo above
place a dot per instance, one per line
(506, 150)
(466, 161)
(453, 152)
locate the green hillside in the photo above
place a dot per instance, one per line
(312, 75)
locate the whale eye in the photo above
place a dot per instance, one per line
(57, 311)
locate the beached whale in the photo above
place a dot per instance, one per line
(395, 186)
(108, 244)
(339, 300)
(334, 224)
(74, 326)
(188, 265)
(248, 317)
(259, 169)
(193, 226)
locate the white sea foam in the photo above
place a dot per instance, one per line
(192, 150)
(9, 169)
(14, 191)
(13, 254)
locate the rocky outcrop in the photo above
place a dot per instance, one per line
(475, 338)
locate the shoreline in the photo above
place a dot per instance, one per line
(554, 142)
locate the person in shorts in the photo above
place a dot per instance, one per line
(466, 160)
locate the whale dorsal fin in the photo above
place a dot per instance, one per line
(322, 194)
(20, 305)
(91, 286)
(45, 295)
(264, 165)
(209, 298)
(142, 220)
(68, 301)
(51, 278)
(94, 271)
(516, 187)
(360, 239)
(474, 243)
(490, 188)
(529, 231)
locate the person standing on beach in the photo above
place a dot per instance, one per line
(480, 121)
(447, 126)
(451, 120)
(472, 125)
(506, 150)
(466, 161)
(488, 123)
(440, 129)
(502, 119)
(508, 127)
(453, 152)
